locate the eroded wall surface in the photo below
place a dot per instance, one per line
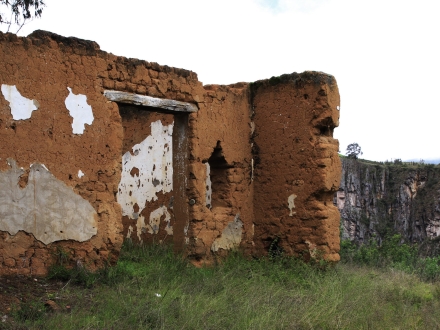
(297, 167)
(53, 112)
(221, 211)
(255, 163)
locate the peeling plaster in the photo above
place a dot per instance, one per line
(154, 223)
(21, 107)
(46, 207)
(185, 232)
(231, 236)
(130, 231)
(291, 202)
(208, 194)
(252, 124)
(153, 159)
(155, 217)
(79, 110)
(140, 227)
(80, 174)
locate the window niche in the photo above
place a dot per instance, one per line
(217, 185)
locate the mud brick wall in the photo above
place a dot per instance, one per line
(297, 167)
(84, 166)
(79, 173)
(220, 173)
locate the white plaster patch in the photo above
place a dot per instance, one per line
(80, 174)
(155, 217)
(313, 250)
(21, 107)
(291, 202)
(46, 207)
(208, 194)
(79, 110)
(130, 231)
(148, 171)
(140, 227)
(252, 128)
(231, 236)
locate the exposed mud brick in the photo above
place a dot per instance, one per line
(297, 167)
(237, 168)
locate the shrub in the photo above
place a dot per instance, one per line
(392, 253)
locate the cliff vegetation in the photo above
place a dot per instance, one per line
(378, 200)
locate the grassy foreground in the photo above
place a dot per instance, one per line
(150, 288)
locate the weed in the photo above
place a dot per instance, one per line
(275, 249)
(61, 255)
(29, 311)
(151, 288)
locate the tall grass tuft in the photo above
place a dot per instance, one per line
(392, 253)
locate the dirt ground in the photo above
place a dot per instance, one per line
(15, 290)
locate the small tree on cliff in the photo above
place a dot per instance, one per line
(353, 150)
(20, 11)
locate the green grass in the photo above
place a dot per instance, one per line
(150, 288)
(393, 254)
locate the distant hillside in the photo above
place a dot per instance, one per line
(426, 161)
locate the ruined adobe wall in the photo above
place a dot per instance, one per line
(297, 168)
(74, 170)
(61, 173)
(221, 217)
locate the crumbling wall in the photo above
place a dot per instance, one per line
(79, 173)
(49, 83)
(297, 168)
(221, 215)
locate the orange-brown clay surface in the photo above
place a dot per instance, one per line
(297, 166)
(255, 164)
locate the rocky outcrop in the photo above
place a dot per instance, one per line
(377, 199)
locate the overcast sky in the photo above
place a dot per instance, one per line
(384, 54)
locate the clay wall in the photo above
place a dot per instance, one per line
(220, 173)
(78, 161)
(297, 167)
(79, 173)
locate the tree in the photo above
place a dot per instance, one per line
(353, 150)
(21, 11)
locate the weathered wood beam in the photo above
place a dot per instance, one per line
(148, 101)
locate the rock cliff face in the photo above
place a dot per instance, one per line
(377, 199)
